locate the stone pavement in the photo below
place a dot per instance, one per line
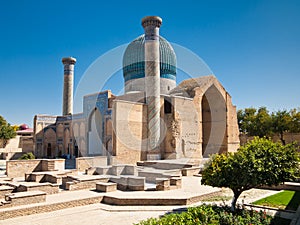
(110, 214)
(91, 214)
(101, 214)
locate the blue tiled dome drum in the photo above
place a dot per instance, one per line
(134, 60)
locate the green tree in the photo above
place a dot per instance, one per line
(264, 124)
(259, 162)
(295, 123)
(255, 122)
(281, 123)
(263, 121)
(6, 132)
(246, 119)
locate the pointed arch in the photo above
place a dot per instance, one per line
(49, 143)
(214, 125)
(95, 133)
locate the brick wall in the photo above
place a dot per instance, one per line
(18, 168)
(288, 137)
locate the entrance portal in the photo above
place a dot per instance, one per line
(213, 122)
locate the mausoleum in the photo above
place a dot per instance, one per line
(155, 119)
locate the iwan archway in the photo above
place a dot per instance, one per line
(214, 114)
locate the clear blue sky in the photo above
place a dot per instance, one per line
(253, 47)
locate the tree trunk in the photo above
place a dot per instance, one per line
(234, 200)
(281, 138)
(3, 143)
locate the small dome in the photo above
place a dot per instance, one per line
(134, 59)
(24, 127)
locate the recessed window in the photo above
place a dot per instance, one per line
(167, 105)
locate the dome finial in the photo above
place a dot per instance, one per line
(68, 60)
(151, 21)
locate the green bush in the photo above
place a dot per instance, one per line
(212, 215)
(27, 156)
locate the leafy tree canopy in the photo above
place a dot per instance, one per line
(262, 123)
(6, 132)
(259, 162)
(255, 122)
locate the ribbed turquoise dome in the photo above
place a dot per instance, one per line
(134, 56)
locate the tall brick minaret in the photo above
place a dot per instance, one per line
(69, 63)
(151, 26)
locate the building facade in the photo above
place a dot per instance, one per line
(154, 119)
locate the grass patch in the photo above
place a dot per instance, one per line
(289, 200)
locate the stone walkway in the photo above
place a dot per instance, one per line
(91, 214)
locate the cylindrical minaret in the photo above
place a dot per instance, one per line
(151, 26)
(69, 63)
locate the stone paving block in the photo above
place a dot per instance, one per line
(106, 187)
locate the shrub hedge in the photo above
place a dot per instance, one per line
(27, 156)
(212, 215)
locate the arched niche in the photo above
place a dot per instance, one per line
(49, 143)
(214, 116)
(95, 133)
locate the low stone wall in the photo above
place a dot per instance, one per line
(18, 168)
(24, 198)
(53, 164)
(285, 186)
(41, 177)
(288, 137)
(45, 187)
(76, 183)
(144, 201)
(48, 208)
